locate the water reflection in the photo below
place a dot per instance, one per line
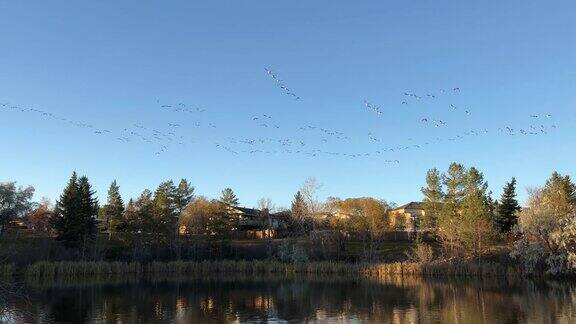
(273, 299)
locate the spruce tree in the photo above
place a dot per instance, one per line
(183, 195)
(145, 213)
(220, 222)
(131, 216)
(113, 212)
(229, 197)
(298, 209)
(88, 207)
(164, 208)
(74, 216)
(65, 212)
(298, 213)
(507, 208)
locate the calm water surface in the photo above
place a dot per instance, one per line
(291, 300)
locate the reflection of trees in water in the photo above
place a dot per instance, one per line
(391, 300)
(494, 301)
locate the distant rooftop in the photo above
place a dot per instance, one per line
(413, 205)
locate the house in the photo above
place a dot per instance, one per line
(407, 217)
(248, 218)
(258, 224)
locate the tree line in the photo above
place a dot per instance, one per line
(459, 216)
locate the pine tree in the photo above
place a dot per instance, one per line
(74, 216)
(183, 195)
(65, 211)
(220, 222)
(433, 196)
(475, 228)
(298, 209)
(465, 219)
(131, 216)
(229, 197)
(507, 208)
(113, 212)
(455, 182)
(145, 211)
(165, 214)
(449, 217)
(88, 207)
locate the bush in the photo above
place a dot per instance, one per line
(422, 253)
(290, 252)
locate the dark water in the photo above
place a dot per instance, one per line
(294, 300)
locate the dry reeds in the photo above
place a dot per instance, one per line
(183, 268)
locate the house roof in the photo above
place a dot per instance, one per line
(413, 205)
(247, 211)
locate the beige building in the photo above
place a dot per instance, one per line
(406, 217)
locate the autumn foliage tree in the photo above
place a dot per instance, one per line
(367, 217)
(38, 219)
(547, 228)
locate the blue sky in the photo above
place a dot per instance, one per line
(114, 64)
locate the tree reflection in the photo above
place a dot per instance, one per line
(262, 299)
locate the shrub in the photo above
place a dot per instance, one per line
(422, 253)
(290, 252)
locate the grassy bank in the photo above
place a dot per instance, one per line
(55, 270)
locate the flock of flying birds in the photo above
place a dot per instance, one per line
(306, 140)
(281, 84)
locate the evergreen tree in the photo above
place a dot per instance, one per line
(131, 216)
(475, 228)
(65, 212)
(449, 218)
(145, 213)
(455, 182)
(299, 212)
(183, 195)
(433, 196)
(113, 212)
(229, 197)
(298, 209)
(220, 222)
(165, 213)
(74, 217)
(88, 206)
(506, 216)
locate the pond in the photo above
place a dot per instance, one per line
(290, 299)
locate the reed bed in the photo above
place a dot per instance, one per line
(6, 270)
(59, 270)
(52, 270)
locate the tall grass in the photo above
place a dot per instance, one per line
(6, 270)
(81, 269)
(53, 270)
